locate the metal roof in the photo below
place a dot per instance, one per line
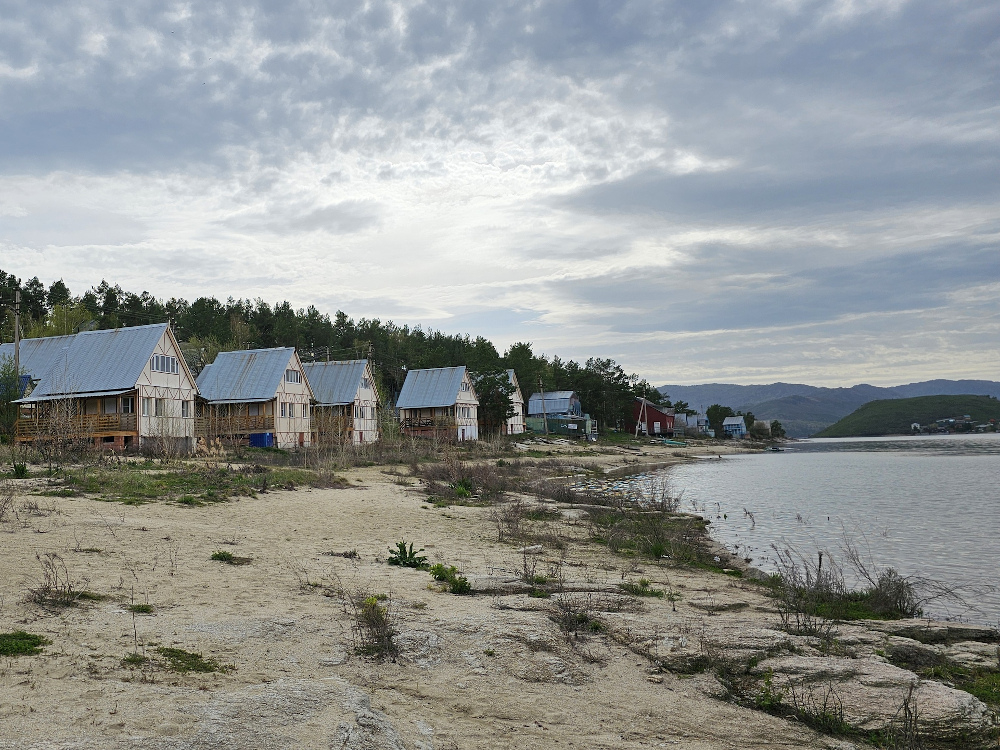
(556, 402)
(335, 383)
(36, 354)
(423, 389)
(733, 420)
(98, 361)
(90, 394)
(245, 375)
(513, 381)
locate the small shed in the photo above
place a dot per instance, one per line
(257, 397)
(346, 408)
(439, 402)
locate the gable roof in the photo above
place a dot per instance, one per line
(667, 411)
(335, 383)
(556, 402)
(245, 375)
(36, 355)
(435, 387)
(513, 381)
(98, 362)
(733, 421)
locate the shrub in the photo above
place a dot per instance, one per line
(20, 643)
(20, 471)
(179, 660)
(457, 584)
(406, 557)
(229, 558)
(57, 588)
(374, 627)
(642, 588)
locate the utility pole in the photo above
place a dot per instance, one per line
(17, 339)
(545, 416)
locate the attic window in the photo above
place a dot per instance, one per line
(465, 386)
(163, 363)
(293, 376)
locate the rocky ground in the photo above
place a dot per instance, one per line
(565, 660)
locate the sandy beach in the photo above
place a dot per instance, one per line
(491, 670)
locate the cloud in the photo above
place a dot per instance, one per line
(702, 190)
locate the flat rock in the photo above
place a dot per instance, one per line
(871, 695)
(935, 631)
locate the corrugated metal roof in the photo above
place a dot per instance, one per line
(335, 383)
(556, 402)
(513, 381)
(36, 354)
(96, 361)
(90, 394)
(245, 375)
(423, 389)
(733, 420)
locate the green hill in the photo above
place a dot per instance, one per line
(894, 416)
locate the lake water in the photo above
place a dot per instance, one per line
(925, 505)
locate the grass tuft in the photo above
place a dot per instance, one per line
(20, 643)
(229, 558)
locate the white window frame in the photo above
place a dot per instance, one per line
(185, 409)
(293, 376)
(284, 409)
(160, 407)
(147, 402)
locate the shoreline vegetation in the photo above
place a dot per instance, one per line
(489, 595)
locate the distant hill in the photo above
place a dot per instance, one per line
(895, 416)
(804, 410)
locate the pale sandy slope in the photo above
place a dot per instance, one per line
(476, 672)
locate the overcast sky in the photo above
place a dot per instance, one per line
(704, 191)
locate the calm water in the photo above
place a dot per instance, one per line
(927, 505)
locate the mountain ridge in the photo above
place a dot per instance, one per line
(804, 410)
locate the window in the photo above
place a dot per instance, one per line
(147, 406)
(366, 383)
(305, 411)
(110, 406)
(293, 376)
(284, 409)
(128, 405)
(163, 363)
(161, 407)
(291, 411)
(185, 408)
(464, 386)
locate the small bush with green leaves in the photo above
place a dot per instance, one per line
(141, 609)
(448, 574)
(374, 624)
(20, 643)
(406, 557)
(229, 558)
(179, 660)
(642, 588)
(20, 471)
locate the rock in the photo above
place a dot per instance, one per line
(870, 695)
(912, 654)
(933, 631)
(534, 549)
(973, 655)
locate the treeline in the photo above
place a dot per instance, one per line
(207, 326)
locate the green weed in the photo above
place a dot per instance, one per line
(642, 588)
(406, 557)
(179, 660)
(457, 584)
(229, 558)
(20, 643)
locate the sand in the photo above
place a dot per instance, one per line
(474, 671)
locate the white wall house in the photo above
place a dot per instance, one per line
(346, 401)
(122, 389)
(439, 402)
(259, 397)
(515, 424)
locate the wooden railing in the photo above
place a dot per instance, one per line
(236, 425)
(79, 425)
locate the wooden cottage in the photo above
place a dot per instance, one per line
(651, 419)
(256, 397)
(515, 423)
(120, 389)
(346, 402)
(439, 402)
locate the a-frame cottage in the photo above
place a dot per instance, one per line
(515, 423)
(346, 402)
(439, 402)
(257, 397)
(120, 389)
